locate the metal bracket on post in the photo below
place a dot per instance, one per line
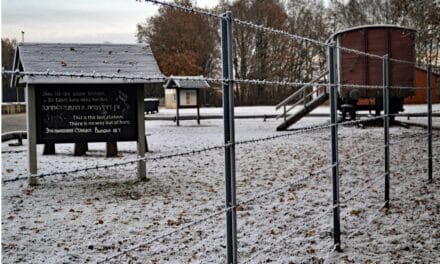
(429, 94)
(386, 126)
(229, 137)
(334, 145)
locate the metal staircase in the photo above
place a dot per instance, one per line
(303, 98)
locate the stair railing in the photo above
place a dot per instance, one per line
(296, 97)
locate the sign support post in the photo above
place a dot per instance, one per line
(177, 106)
(142, 175)
(31, 134)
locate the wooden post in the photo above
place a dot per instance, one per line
(80, 149)
(198, 106)
(177, 105)
(31, 120)
(49, 149)
(111, 149)
(141, 142)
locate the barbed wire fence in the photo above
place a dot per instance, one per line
(230, 144)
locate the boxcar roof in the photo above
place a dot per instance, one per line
(100, 59)
(367, 27)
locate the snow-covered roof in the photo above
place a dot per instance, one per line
(186, 82)
(100, 59)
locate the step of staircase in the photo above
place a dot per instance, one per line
(310, 106)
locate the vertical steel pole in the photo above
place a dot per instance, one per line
(229, 136)
(386, 127)
(429, 94)
(334, 143)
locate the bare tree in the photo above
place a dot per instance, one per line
(423, 16)
(183, 44)
(257, 54)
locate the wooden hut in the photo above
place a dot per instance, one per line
(421, 94)
(184, 92)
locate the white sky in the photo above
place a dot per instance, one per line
(86, 21)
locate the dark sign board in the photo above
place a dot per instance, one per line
(86, 113)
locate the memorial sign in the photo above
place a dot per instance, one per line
(102, 105)
(91, 113)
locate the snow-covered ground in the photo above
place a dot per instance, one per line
(89, 216)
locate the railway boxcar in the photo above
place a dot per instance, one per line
(357, 69)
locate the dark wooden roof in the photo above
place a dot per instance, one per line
(106, 59)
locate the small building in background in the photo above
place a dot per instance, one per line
(184, 92)
(187, 87)
(421, 94)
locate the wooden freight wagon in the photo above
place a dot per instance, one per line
(357, 71)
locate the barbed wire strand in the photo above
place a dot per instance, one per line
(132, 77)
(286, 235)
(327, 257)
(188, 153)
(372, 219)
(119, 164)
(374, 216)
(195, 10)
(354, 195)
(199, 11)
(204, 219)
(284, 186)
(393, 143)
(396, 169)
(96, 75)
(165, 234)
(361, 154)
(187, 9)
(193, 152)
(243, 203)
(303, 130)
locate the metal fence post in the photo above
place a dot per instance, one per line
(334, 145)
(229, 136)
(429, 94)
(386, 127)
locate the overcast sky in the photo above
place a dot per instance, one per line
(91, 21)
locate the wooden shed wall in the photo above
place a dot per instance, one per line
(421, 81)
